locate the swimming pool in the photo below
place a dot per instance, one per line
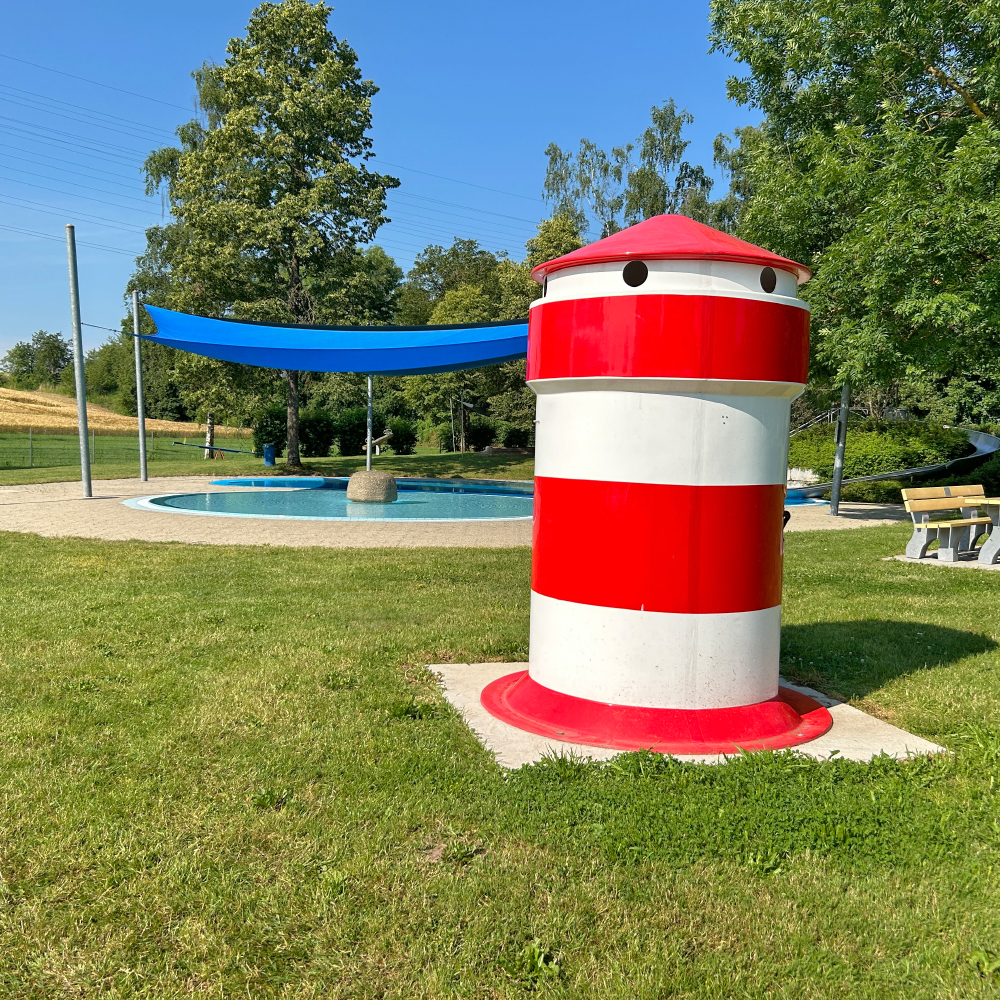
(316, 499)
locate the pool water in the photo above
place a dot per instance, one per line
(325, 499)
(332, 504)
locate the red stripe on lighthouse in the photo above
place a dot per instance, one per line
(669, 336)
(650, 547)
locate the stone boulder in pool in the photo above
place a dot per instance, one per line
(371, 487)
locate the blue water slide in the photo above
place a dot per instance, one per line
(373, 350)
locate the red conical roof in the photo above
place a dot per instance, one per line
(670, 237)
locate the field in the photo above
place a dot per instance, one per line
(229, 773)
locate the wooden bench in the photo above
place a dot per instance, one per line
(956, 536)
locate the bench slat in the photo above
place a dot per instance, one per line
(942, 492)
(951, 504)
(952, 524)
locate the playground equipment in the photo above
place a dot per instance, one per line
(664, 358)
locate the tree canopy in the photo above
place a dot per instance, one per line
(877, 164)
(270, 190)
(629, 183)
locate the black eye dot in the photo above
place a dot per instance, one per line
(768, 279)
(635, 273)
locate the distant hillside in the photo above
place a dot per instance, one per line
(50, 413)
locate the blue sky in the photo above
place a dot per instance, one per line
(470, 96)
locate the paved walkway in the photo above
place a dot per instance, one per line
(58, 510)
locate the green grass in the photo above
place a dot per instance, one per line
(190, 462)
(228, 774)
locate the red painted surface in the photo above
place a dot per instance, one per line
(670, 237)
(669, 336)
(785, 721)
(657, 547)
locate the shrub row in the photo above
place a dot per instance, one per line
(875, 447)
(320, 429)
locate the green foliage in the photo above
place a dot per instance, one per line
(877, 165)
(317, 432)
(556, 236)
(352, 429)
(516, 437)
(404, 436)
(271, 194)
(618, 190)
(480, 432)
(40, 361)
(874, 447)
(270, 426)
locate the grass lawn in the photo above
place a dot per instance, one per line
(189, 462)
(227, 773)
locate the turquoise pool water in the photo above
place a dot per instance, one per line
(319, 499)
(332, 504)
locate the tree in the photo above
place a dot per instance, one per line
(466, 284)
(619, 190)
(40, 361)
(878, 165)
(271, 194)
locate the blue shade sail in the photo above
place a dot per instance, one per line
(373, 350)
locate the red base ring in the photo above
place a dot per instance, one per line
(787, 720)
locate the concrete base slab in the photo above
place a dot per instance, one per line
(854, 734)
(972, 562)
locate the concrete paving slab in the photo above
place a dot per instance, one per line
(854, 735)
(808, 517)
(972, 562)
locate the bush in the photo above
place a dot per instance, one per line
(270, 426)
(352, 429)
(516, 437)
(317, 432)
(874, 447)
(404, 436)
(480, 432)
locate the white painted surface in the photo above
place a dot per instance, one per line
(684, 386)
(854, 734)
(654, 659)
(672, 277)
(642, 437)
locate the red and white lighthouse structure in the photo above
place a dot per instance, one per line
(665, 359)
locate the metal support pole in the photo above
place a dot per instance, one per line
(81, 385)
(368, 452)
(841, 439)
(140, 409)
(451, 410)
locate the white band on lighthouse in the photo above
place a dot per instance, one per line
(631, 437)
(654, 659)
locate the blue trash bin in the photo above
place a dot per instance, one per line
(269, 454)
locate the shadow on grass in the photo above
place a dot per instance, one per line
(850, 659)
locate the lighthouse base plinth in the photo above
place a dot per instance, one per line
(787, 720)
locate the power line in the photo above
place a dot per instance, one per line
(455, 180)
(63, 180)
(106, 86)
(35, 206)
(62, 239)
(80, 107)
(71, 194)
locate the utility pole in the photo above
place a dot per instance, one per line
(451, 410)
(461, 421)
(841, 439)
(368, 453)
(81, 384)
(140, 409)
